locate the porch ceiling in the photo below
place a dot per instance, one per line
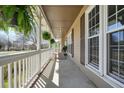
(61, 17)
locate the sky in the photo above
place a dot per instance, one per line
(4, 36)
(13, 37)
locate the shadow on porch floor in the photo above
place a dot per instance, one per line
(63, 73)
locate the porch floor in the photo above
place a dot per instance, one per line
(65, 74)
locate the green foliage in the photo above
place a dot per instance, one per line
(19, 17)
(52, 41)
(46, 35)
(64, 48)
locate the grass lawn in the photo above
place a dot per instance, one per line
(6, 83)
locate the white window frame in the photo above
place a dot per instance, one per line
(116, 82)
(103, 70)
(87, 65)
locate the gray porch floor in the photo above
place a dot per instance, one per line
(70, 76)
(65, 74)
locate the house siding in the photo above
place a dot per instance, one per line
(97, 79)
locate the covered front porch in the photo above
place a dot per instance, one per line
(45, 67)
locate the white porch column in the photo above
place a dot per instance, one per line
(1, 77)
(39, 37)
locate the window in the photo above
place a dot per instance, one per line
(69, 45)
(72, 44)
(93, 37)
(115, 39)
(112, 32)
(115, 17)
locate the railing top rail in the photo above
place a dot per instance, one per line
(10, 58)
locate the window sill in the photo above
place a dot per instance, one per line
(108, 79)
(113, 82)
(93, 69)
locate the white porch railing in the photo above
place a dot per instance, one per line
(22, 67)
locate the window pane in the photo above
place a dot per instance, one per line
(93, 12)
(97, 18)
(93, 21)
(90, 32)
(97, 9)
(121, 44)
(112, 23)
(111, 10)
(114, 38)
(121, 54)
(93, 31)
(90, 25)
(119, 7)
(113, 52)
(93, 51)
(121, 37)
(97, 29)
(120, 19)
(113, 46)
(122, 70)
(114, 67)
(89, 15)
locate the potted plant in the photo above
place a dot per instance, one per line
(65, 50)
(52, 41)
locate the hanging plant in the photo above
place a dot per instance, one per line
(52, 41)
(46, 35)
(19, 17)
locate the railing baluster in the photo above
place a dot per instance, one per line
(9, 75)
(38, 61)
(26, 69)
(31, 65)
(19, 65)
(23, 71)
(29, 68)
(35, 63)
(1, 77)
(41, 58)
(15, 74)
